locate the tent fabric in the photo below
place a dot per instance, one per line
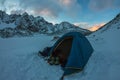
(79, 52)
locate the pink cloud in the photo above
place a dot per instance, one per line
(66, 2)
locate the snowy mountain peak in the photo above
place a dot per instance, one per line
(25, 14)
(66, 25)
(25, 25)
(39, 18)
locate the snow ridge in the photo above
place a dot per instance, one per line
(114, 22)
(26, 25)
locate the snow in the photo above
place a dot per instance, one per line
(33, 25)
(105, 61)
(4, 25)
(104, 64)
(19, 59)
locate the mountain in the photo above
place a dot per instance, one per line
(104, 63)
(19, 59)
(114, 23)
(26, 25)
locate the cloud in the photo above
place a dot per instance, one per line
(96, 26)
(66, 2)
(2, 4)
(9, 5)
(45, 8)
(91, 27)
(70, 7)
(99, 5)
(82, 24)
(17, 11)
(51, 8)
(35, 7)
(41, 7)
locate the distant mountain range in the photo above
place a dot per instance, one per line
(26, 25)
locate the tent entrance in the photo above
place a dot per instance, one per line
(63, 49)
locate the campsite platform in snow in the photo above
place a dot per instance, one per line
(19, 59)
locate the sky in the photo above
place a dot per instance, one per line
(84, 13)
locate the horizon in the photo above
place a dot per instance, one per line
(88, 14)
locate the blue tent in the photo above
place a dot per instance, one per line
(77, 48)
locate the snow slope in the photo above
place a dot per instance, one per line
(19, 60)
(104, 64)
